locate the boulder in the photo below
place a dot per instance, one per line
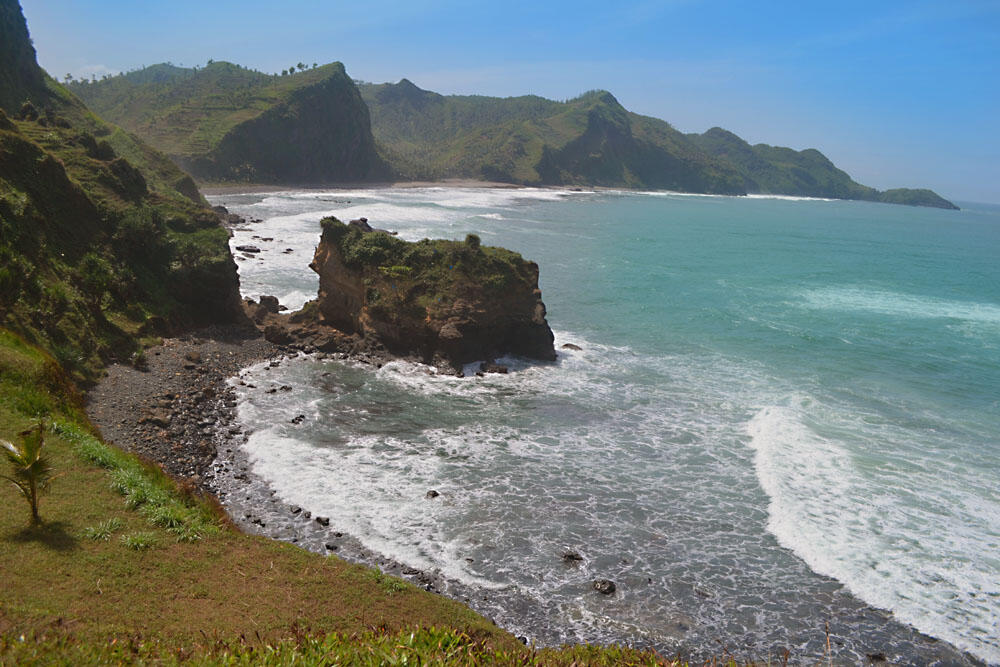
(604, 586)
(270, 304)
(493, 367)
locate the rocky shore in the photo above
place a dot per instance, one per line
(179, 412)
(171, 411)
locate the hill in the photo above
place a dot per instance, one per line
(103, 240)
(224, 122)
(777, 170)
(592, 140)
(227, 123)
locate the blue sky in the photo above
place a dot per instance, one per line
(898, 94)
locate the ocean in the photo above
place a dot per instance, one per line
(781, 432)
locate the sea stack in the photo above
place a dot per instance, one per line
(448, 303)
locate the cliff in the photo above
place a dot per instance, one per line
(103, 241)
(447, 303)
(224, 122)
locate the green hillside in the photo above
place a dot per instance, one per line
(103, 240)
(227, 123)
(776, 170)
(590, 140)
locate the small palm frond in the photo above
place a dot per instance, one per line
(32, 471)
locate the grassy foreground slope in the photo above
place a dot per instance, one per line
(126, 556)
(224, 122)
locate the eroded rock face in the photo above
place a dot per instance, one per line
(445, 302)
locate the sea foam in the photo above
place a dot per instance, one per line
(880, 523)
(899, 304)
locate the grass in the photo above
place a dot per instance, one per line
(104, 530)
(425, 646)
(139, 541)
(176, 573)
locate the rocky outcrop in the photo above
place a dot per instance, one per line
(447, 303)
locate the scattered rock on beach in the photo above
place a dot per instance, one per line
(604, 586)
(248, 248)
(323, 520)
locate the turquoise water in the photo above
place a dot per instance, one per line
(785, 414)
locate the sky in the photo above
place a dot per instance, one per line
(898, 94)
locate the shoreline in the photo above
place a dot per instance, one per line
(181, 414)
(202, 398)
(220, 189)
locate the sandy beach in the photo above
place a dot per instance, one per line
(210, 189)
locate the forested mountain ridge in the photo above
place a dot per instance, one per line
(530, 140)
(808, 173)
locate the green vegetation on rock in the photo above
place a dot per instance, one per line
(224, 122)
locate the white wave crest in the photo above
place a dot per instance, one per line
(885, 528)
(899, 304)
